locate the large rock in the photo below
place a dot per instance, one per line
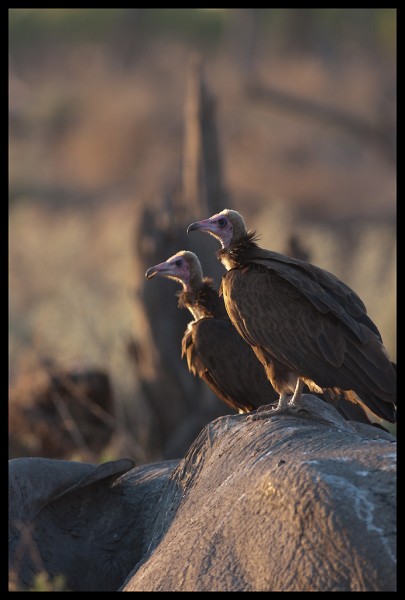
(82, 521)
(284, 503)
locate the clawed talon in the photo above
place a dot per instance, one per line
(286, 406)
(258, 417)
(265, 407)
(265, 412)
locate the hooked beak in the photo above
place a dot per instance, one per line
(205, 225)
(160, 269)
(193, 226)
(151, 272)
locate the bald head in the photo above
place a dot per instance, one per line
(228, 227)
(183, 267)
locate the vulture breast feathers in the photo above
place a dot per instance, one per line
(301, 321)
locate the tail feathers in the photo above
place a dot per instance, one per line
(351, 410)
(384, 410)
(348, 404)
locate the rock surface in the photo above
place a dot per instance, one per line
(283, 503)
(80, 520)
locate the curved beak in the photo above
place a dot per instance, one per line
(160, 269)
(193, 226)
(205, 225)
(151, 272)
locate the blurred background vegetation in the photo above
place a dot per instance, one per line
(306, 118)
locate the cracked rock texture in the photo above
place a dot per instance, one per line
(285, 503)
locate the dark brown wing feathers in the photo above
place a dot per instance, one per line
(218, 355)
(311, 322)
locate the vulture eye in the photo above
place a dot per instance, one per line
(222, 222)
(178, 262)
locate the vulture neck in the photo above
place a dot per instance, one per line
(202, 302)
(238, 253)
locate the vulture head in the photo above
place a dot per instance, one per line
(183, 267)
(227, 226)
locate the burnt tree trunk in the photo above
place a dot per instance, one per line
(186, 404)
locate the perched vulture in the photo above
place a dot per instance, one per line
(303, 323)
(214, 349)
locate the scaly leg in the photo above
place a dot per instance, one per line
(296, 399)
(282, 404)
(291, 407)
(294, 406)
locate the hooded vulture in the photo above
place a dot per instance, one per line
(214, 349)
(303, 323)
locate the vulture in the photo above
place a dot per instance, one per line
(304, 324)
(214, 349)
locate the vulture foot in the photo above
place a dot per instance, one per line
(269, 411)
(283, 408)
(264, 408)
